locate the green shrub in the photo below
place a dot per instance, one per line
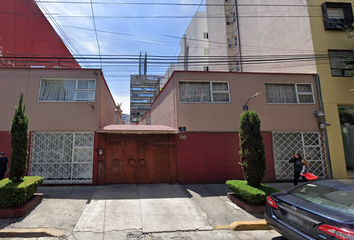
(19, 142)
(255, 196)
(252, 151)
(15, 194)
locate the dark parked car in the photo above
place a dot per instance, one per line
(322, 209)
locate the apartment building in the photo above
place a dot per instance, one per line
(126, 118)
(143, 90)
(194, 47)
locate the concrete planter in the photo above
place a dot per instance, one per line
(244, 205)
(21, 211)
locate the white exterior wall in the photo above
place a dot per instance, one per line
(217, 35)
(196, 43)
(276, 32)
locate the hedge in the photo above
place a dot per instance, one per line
(255, 196)
(15, 194)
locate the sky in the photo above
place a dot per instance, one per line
(124, 27)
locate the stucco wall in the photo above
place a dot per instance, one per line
(276, 30)
(214, 158)
(107, 112)
(195, 41)
(46, 116)
(217, 34)
(224, 117)
(164, 109)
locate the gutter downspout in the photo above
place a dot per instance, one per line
(318, 83)
(238, 33)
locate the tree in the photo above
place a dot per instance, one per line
(252, 151)
(19, 142)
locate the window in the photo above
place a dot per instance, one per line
(205, 35)
(229, 43)
(206, 51)
(206, 68)
(149, 120)
(235, 41)
(338, 67)
(204, 92)
(289, 93)
(67, 90)
(337, 15)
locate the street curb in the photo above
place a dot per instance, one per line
(245, 226)
(31, 232)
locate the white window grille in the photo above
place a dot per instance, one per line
(62, 157)
(309, 144)
(301, 93)
(67, 90)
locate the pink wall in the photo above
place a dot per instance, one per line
(53, 116)
(224, 117)
(25, 31)
(214, 158)
(163, 109)
(107, 105)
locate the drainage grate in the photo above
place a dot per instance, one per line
(138, 235)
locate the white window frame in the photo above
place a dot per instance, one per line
(297, 93)
(76, 90)
(211, 91)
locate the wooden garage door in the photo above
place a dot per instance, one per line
(137, 158)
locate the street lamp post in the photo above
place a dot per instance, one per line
(245, 107)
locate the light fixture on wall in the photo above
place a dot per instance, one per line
(318, 113)
(321, 118)
(93, 107)
(245, 107)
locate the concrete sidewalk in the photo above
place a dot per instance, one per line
(156, 211)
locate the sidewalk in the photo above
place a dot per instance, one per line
(136, 211)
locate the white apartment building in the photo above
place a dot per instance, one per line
(260, 35)
(194, 47)
(126, 119)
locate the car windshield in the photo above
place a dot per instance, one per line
(326, 196)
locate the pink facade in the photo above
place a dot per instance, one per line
(208, 144)
(56, 119)
(223, 117)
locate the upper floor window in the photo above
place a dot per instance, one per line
(290, 93)
(205, 35)
(67, 90)
(337, 15)
(338, 66)
(204, 92)
(206, 51)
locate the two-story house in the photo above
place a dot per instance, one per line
(66, 107)
(206, 106)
